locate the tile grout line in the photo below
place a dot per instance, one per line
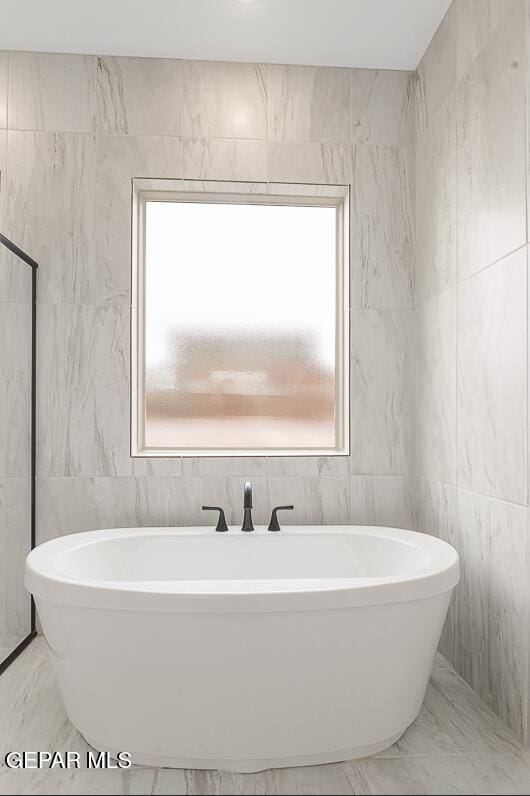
(458, 488)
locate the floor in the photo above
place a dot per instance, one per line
(456, 746)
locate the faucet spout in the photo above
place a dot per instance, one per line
(247, 500)
(247, 508)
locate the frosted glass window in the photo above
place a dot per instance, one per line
(242, 333)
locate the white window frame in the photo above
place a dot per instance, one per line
(337, 196)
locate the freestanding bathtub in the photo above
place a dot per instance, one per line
(242, 651)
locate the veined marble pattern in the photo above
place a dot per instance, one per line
(224, 159)
(436, 73)
(381, 394)
(15, 388)
(119, 160)
(267, 465)
(386, 500)
(136, 502)
(323, 124)
(49, 208)
(65, 385)
(491, 164)
(382, 103)
(131, 502)
(167, 501)
(382, 228)
(456, 745)
(435, 243)
(318, 500)
(15, 544)
(142, 96)
(15, 276)
(309, 103)
(69, 505)
(3, 88)
(3, 153)
(492, 389)
(435, 506)
(435, 380)
(54, 92)
(476, 20)
(491, 603)
(66, 505)
(4, 292)
(224, 100)
(481, 44)
(310, 162)
(112, 392)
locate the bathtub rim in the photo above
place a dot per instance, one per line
(45, 582)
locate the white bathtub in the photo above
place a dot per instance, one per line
(195, 649)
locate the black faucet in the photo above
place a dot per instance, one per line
(247, 508)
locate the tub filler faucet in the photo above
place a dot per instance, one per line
(248, 525)
(247, 508)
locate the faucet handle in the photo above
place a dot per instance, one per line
(221, 522)
(274, 525)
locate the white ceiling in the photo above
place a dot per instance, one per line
(385, 34)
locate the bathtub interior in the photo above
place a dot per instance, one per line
(236, 556)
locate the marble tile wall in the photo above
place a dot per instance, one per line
(15, 535)
(74, 131)
(15, 447)
(437, 164)
(471, 431)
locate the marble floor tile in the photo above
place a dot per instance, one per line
(518, 769)
(455, 746)
(434, 732)
(432, 775)
(92, 783)
(482, 728)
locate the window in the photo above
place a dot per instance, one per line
(240, 319)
